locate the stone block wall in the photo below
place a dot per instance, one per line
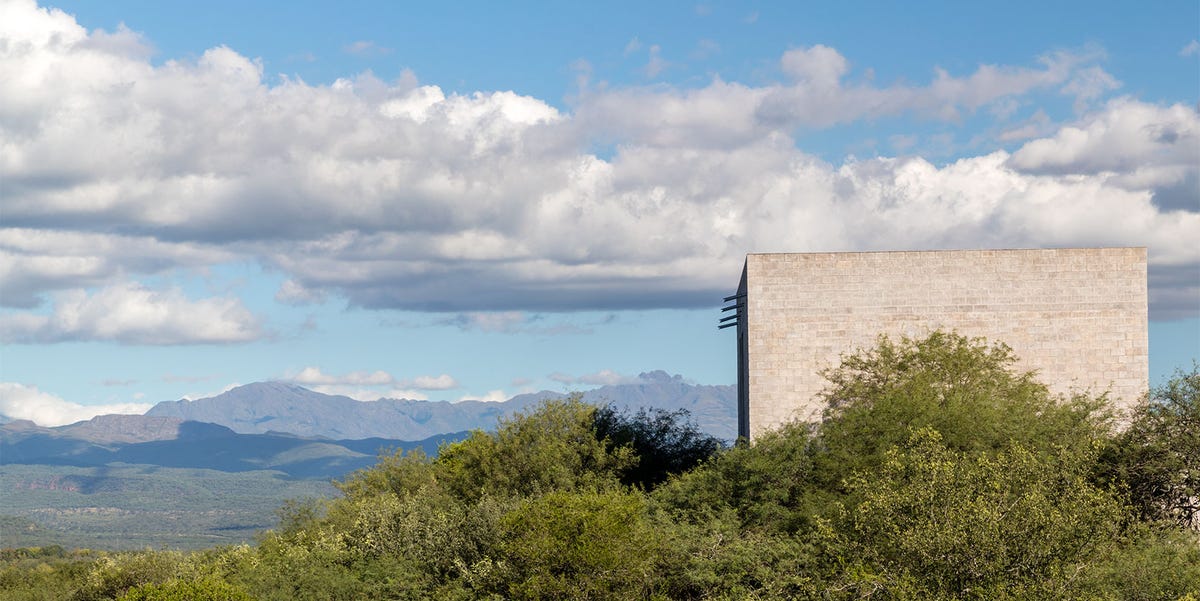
(1078, 316)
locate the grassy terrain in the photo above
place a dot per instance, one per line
(138, 506)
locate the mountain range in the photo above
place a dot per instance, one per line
(175, 443)
(194, 473)
(282, 407)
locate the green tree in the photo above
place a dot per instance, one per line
(553, 448)
(769, 486)
(181, 590)
(664, 442)
(964, 388)
(580, 545)
(954, 522)
(1158, 457)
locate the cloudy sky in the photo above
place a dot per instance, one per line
(477, 200)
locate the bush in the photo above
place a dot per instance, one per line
(1157, 459)
(179, 590)
(112, 575)
(955, 522)
(964, 388)
(664, 442)
(553, 448)
(579, 545)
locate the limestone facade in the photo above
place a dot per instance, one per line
(1078, 316)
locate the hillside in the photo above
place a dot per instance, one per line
(131, 481)
(172, 442)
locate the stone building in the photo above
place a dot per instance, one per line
(1077, 316)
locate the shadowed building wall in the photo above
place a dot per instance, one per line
(1077, 316)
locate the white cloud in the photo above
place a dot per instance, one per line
(442, 382)
(492, 396)
(492, 205)
(132, 314)
(371, 385)
(44, 409)
(34, 261)
(292, 293)
(1089, 84)
(1191, 49)
(819, 65)
(313, 375)
(1128, 135)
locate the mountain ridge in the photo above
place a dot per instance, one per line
(262, 407)
(195, 445)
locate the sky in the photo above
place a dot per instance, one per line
(473, 200)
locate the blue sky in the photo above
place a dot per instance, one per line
(481, 199)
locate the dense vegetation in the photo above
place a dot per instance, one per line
(939, 472)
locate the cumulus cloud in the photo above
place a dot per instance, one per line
(313, 375)
(1125, 136)
(34, 261)
(492, 205)
(18, 401)
(819, 65)
(1133, 145)
(132, 314)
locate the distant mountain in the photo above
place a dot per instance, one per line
(713, 408)
(276, 406)
(173, 442)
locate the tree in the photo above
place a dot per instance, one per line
(664, 442)
(580, 545)
(953, 522)
(183, 590)
(1158, 457)
(552, 448)
(964, 388)
(768, 485)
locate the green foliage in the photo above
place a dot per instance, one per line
(579, 545)
(397, 473)
(954, 522)
(664, 442)
(938, 473)
(42, 573)
(181, 590)
(1151, 564)
(112, 575)
(768, 486)
(963, 388)
(552, 449)
(1158, 457)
